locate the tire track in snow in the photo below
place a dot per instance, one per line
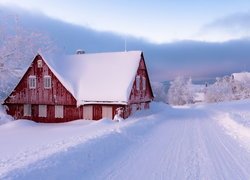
(154, 164)
(194, 156)
(190, 148)
(229, 159)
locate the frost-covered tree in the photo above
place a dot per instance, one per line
(226, 89)
(180, 91)
(221, 90)
(18, 46)
(242, 88)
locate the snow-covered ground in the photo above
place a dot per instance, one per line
(190, 142)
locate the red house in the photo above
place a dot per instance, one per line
(81, 86)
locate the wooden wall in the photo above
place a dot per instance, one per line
(57, 94)
(141, 95)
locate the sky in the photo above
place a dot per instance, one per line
(156, 21)
(197, 38)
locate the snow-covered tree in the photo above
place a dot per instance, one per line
(226, 89)
(221, 90)
(18, 46)
(242, 87)
(180, 91)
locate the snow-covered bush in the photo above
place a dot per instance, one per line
(180, 91)
(4, 118)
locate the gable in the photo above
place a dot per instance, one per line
(141, 94)
(41, 93)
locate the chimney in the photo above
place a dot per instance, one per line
(80, 51)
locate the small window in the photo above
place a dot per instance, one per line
(138, 81)
(27, 110)
(47, 82)
(32, 82)
(107, 112)
(88, 112)
(42, 111)
(39, 63)
(58, 111)
(144, 83)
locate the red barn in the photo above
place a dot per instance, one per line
(81, 86)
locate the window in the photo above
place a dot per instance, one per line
(138, 79)
(88, 112)
(58, 111)
(39, 63)
(144, 83)
(32, 82)
(42, 111)
(27, 110)
(47, 82)
(107, 112)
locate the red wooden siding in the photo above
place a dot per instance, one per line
(141, 95)
(70, 113)
(57, 94)
(97, 112)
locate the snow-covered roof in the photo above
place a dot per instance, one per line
(242, 76)
(97, 78)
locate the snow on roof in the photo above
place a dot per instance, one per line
(97, 78)
(242, 76)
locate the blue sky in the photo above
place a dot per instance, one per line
(157, 21)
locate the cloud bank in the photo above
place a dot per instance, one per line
(165, 61)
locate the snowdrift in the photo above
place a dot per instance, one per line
(189, 142)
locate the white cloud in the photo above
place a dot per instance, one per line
(234, 26)
(160, 26)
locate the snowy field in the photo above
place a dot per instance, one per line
(190, 142)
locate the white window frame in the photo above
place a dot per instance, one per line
(144, 84)
(138, 82)
(47, 82)
(32, 82)
(39, 63)
(27, 110)
(42, 111)
(58, 111)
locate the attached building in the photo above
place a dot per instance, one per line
(81, 86)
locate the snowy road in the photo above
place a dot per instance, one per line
(190, 148)
(167, 143)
